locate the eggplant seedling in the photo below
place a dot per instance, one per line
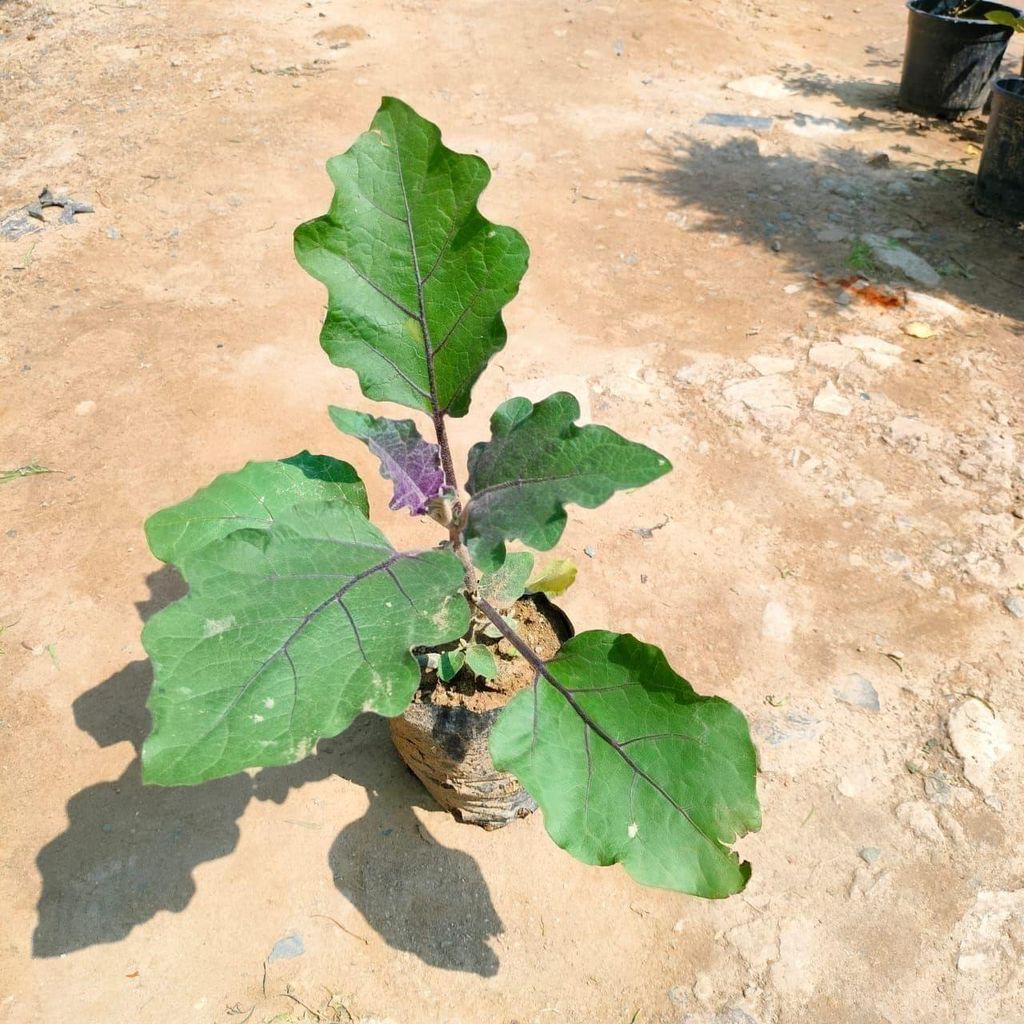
(301, 615)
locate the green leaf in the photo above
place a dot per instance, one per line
(481, 661)
(555, 578)
(416, 276)
(250, 497)
(450, 664)
(508, 582)
(536, 462)
(631, 766)
(1006, 18)
(286, 635)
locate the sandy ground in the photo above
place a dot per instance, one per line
(843, 523)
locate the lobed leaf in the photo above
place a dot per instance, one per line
(416, 276)
(250, 497)
(536, 463)
(506, 584)
(410, 463)
(286, 635)
(630, 766)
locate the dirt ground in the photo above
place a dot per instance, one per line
(840, 549)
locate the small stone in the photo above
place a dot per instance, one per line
(770, 399)
(920, 819)
(918, 329)
(113, 233)
(287, 948)
(832, 233)
(85, 408)
(704, 989)
(829, 400)
(776, 246)
(900, 258)
(879, 159)
(896, 559)
(757, 942)
(899, 188)
(880, 361)
(980, 739)
(870, 854)
(1014, 604)
(832, 355)
(776, 623)
(792, 289)
(858, 691)
(939, 309)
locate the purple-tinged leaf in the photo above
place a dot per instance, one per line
(410, 463)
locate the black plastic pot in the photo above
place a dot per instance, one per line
(999, 190)
(447, 750)
(949, 63)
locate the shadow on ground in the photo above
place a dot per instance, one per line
(129, 850)
(812, 213)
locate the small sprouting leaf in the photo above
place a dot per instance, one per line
(251, 497)
(630, 765)
(481, 661)
(554, 579)
(416, 276)
(508, 582)
(410, 463)
(538, 461)
(450, 664)
(286, 635)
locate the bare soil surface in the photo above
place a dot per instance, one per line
(838, 551)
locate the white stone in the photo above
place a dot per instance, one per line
(920, 819)
(704, 989)
(908, 428)
(800, 948)
(880, 361)
(991, 930)
(935, 307)
(832, 355)
(869, 343)
(764, 87)
(981, 740)
(828, 400)
(776, 622)
(771, 400)
(768, 365)
(757, 942)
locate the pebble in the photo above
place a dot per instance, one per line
(771, 400)
(832, 355)
(980, 739)
(858, 691)
(776, 622)
(870, 854)
(703, 989)
(287, 948)
(113, 233)
(900, 258)
(829, 400)
(833, 234)
(1014, 604)
(920, 819)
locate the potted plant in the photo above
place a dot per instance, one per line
(953, 52)
(300, 614)
(999, 189)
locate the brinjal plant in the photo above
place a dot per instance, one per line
(301, 615)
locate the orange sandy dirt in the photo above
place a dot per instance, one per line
(170, 336)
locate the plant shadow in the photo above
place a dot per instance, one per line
(129, 850)
(811, 212)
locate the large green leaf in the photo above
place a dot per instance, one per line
(416, 277)
(538, 461)
(250, 497)
(630, 765)
(286, 635)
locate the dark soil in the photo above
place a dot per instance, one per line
(514, 673)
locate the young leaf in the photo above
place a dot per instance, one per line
(410, 463)
(250, 497)
(555, 578)
(416, 276)
(630, 765)
(450, 664)
(286, 635)
(481, 662)
(536, 462)
(508, 582)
